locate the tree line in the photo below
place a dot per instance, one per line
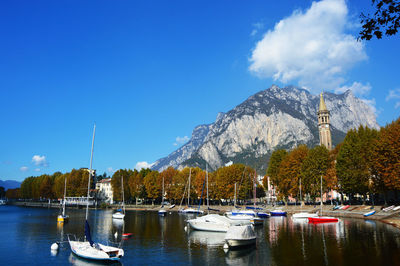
(365, 163)
(147, 184)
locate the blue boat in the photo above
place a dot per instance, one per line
(277, 213)
(263, 214)
(369, 213)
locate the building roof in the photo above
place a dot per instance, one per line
(105, 180)
(322, 106)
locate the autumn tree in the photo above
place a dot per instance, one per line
(313, 167)
(13, 193)
(124, 175)
(290, 171)
(152, 183)
(45, 189)
(273, 166)
(386, 156)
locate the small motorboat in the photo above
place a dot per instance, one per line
(336, 207)
(369, 213)
(127, 235)
(162, 212)
(345, 207)
(263, 215)
(277, 213)
(388, 208)
(323, 219)
(240, 236)
(118, 215)
(304, 215)
(191, 210)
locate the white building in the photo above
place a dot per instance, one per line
(105, 191)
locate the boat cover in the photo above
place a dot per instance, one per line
(243, 232)
(87, 234)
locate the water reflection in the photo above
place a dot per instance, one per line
(75, 260)
(211, 239)
(246, 256)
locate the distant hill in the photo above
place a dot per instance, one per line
(270, 119)
(10, 184)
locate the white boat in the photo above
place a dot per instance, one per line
(63, 217)
(189, 210)
(304, 215)
(2, 202)
(322, 219)
(162, 212)
(88, 249)
(240, 236)
(120, 213)
(214, 223)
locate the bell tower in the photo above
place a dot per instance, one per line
(324, 125)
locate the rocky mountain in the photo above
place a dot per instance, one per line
(270, 119)
(10, 184)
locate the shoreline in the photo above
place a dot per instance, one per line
(354, 211)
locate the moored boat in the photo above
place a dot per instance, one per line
(304, 215)
(240, 236)
(277, 213)
(369, 213)
(322, 219)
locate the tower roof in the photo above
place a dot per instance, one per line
(322, 106)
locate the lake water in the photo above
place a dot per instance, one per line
(27, 233)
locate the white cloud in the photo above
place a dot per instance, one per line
(181, 140)
(110, 170)
(24, 168)
(309, 47)
(256, 28)
(140, 165)
(394, 95)
(37, 170)
(39, 160)
(357, 88)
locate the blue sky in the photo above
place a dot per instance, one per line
(148, 72)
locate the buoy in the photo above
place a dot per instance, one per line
(54, 246)
(226, 247)
(185, 228)
(116, 234)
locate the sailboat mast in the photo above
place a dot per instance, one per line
(90, 172)
(321, 195)
(190, 173)
(234, 197)
(162, 196)
(123, 195)
(208, 205)
(65, 189)
(254, 190)
(300, 194)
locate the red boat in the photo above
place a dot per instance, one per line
(345, 207)
(127, 235)
(322, 219)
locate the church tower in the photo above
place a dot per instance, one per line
(324, 125)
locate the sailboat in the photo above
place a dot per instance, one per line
(88, 249)
(303, 215)
(213, 222)
(190, 209)
(322, 219)
(120, 213)
(162, 211)
(63, 217)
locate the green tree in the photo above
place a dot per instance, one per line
(125, 175)
(313, 167)
(273, 167)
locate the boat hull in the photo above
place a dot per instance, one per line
(206, 226)
(278, 213)
(102, 253)
(369, 213)
(323, 219)
(62, 218)
(118, 215)
(236, 243)
(304, 215)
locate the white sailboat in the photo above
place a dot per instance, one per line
(322, 219)
(88, 249)
(303, 215)
(120, 213)
(63, 217)
(190, 209)
(162, 211)
(213, 222)
(240, 236)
